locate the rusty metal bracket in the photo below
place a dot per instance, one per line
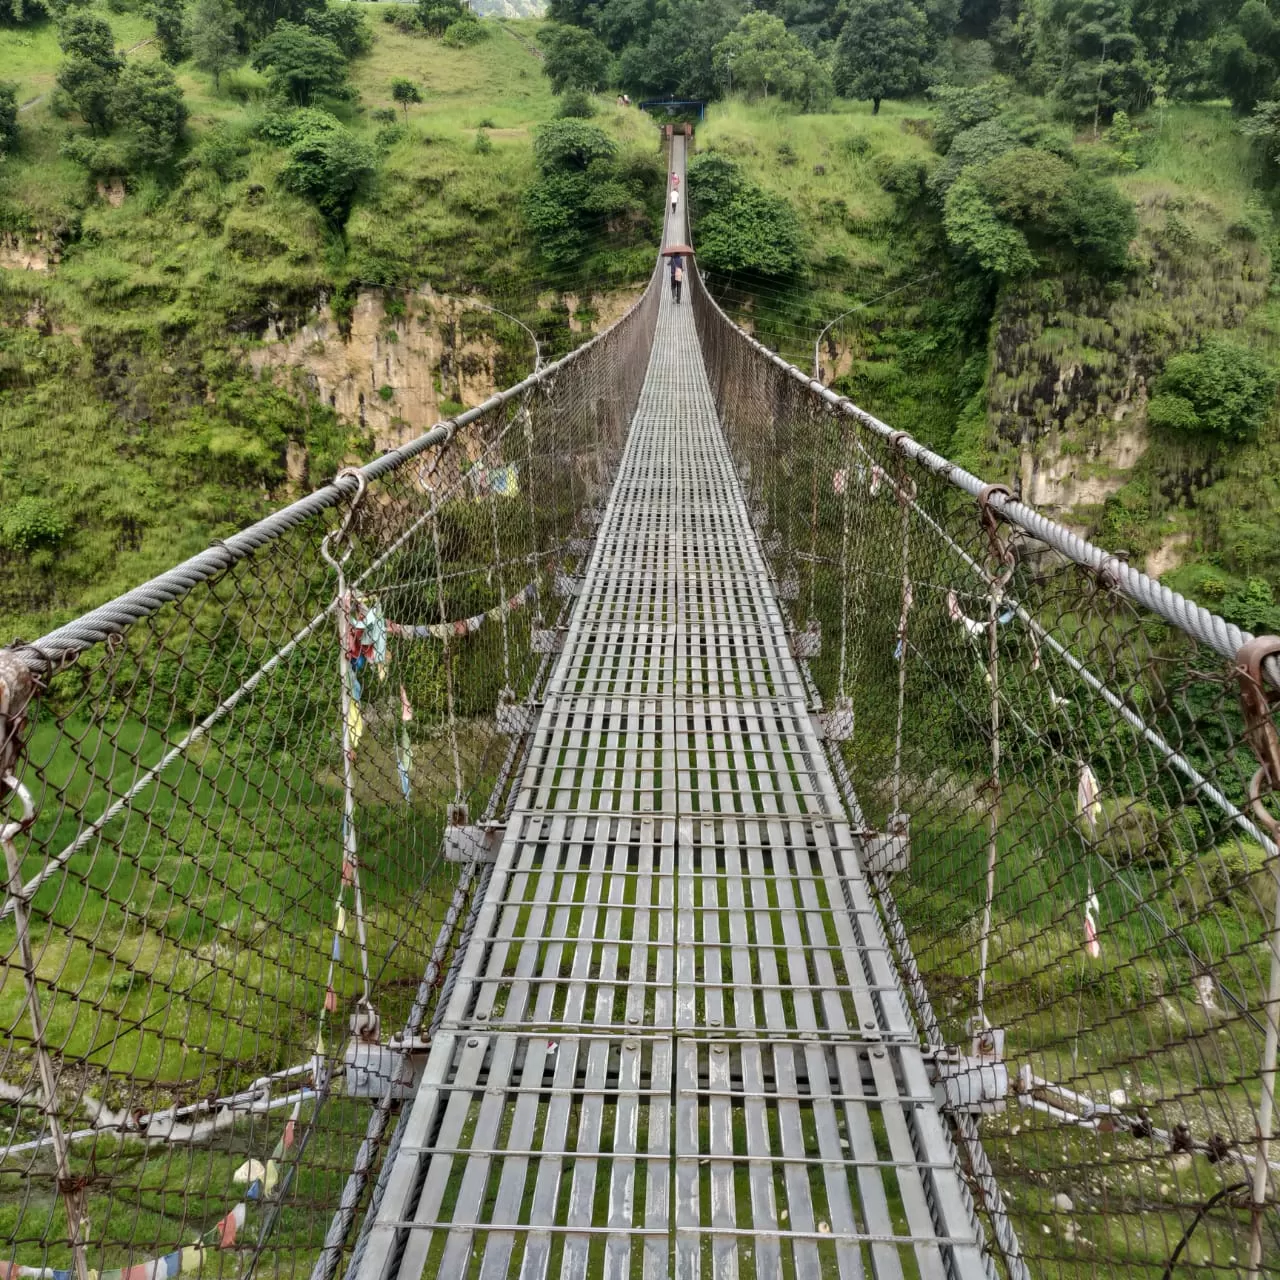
(1259, 725)
(1001, 552)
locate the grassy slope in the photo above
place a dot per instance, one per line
(121, 371)
(903, 353)
(1199, 184)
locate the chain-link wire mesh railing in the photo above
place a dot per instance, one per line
(241, 808)
(1067, 823)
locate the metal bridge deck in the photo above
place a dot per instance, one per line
(677, 1045)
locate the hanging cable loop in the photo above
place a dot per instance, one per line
(342, 534)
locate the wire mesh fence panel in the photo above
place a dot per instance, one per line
(244, 808)
(1067, 824)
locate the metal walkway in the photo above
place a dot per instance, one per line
(677, 1045)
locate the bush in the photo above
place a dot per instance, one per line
(30, 523)
(329, 166)
(285, 127)
(1132, 831)
(576, 104)
(740, 226)
(1252, 607)
(570, 145)
(483, 144)
(714, 180)
(245, 85)
(436, 16)
(1223, 389)
(8, 117)
(1099, 221)
(1173, 412)
(464, 33)
(755, 231)
(907, 176)
(977, 233)
(220, 150)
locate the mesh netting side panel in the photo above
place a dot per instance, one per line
(1086, 881)
(236, 892)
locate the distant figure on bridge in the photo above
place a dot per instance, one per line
(677, 272)
(675, 199)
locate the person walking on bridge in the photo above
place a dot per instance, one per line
(677, 276)
(675, 200)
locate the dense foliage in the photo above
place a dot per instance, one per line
(582, 184)
(1222, 388)
(302, 65)
(1092, 58)
(741, 227)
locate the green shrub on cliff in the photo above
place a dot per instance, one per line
(1223, 389)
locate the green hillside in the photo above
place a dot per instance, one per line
(143, 407)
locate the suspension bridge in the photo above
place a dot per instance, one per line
(662, 822)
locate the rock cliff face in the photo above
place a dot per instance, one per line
(510, 8)
(1072, 361)
(399, 368)
(390, 373)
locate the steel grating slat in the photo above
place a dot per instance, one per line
(677, 1044)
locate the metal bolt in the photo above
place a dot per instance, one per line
(473, 1042)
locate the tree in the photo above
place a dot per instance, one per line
(8, 117)
(329, 166)
(85, 35)
(1223, 388)
(666, 46)
(760, 55)
(213, 37)
(1247, 56)
(1264, 128)
(261, 17)
(1103, 67)
(564, 146)
(148, 107)
(301, 65)
(17, 13)
(170, 29)
(580, 186)
(436, 16)
(404, 92)
(346, 27)
(575, 59)
(740, 226)
(882, 50)
(89, 74)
